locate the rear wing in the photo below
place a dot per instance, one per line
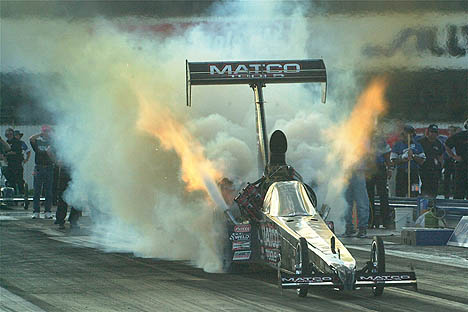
(255, 72)
(386, 279)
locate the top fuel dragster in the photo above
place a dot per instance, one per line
(279, 224)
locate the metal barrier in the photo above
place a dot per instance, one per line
(5, 203)
(453, 208)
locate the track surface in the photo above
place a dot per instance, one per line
(42, 269)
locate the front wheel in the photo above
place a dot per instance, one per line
(378, 262)
(302, 264)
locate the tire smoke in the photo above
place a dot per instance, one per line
(96, 71)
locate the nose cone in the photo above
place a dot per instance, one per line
(347, 277)
(278, 148)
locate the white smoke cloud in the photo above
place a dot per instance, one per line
(133, 185)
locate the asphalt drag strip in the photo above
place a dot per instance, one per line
(49, 270)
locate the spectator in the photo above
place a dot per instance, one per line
(25, 152)
(401, 155)
(459, 142)
(14, 170)
(396, 133)
(449, 167)
(377, 177)
(24, 146)
(431, 168)
(356, 193)
(63, 182)
(4, 148)
(43, 171)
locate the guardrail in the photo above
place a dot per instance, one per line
(19, 199)
(454, 208)
(6, 202)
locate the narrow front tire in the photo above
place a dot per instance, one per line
(378, 261)
(302, 264)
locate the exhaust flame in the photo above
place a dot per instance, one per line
(351, 140)
(197, 171)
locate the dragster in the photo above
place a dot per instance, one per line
(278, 223)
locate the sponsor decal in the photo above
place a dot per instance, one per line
(307, 280)
(271, 255)
(255, 70)
(242, 228)
(242, 245)
(443, 42)
(239, 236)
(270, 237)
(241, 255)
(383, 278)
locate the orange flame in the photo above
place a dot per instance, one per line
(351, 140)
(174, 136)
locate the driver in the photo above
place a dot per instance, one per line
(277, 169)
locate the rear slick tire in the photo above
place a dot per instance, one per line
(378, 259)
(302, 264)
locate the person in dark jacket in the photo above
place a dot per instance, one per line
(14, 157)
(26, 154)
(449, 167)
(43, 170)
(63, 182)
(4, 148)
(431, 169)
(459, 142)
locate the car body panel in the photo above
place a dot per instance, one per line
(291, 197)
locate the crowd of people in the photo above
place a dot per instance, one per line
(420, 163)
(50, 176)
